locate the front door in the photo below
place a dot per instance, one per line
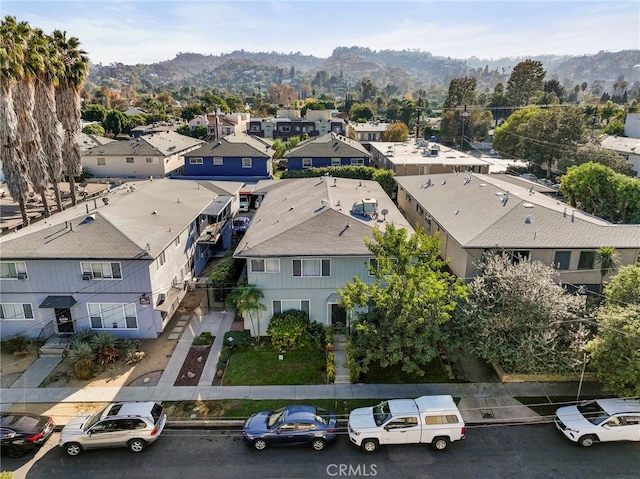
(64, 321)
(338, 318)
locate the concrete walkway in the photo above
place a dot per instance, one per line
(37, 372)
(217, 323)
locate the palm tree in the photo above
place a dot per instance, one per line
(45, 114)
(14, 165)
(607, 258)
(74, 73)
(247, 298)
(28, 131)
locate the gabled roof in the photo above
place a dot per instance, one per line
(166, 143)
(330, 145)
(312, 217)
(484, 211)
(238, 145)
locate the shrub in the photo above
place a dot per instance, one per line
(240, 338)
(224, 354)
(288, 328)
(221, 366)
(331, 367)
(16, 345)
(384, 177)
(84, 369)
(83, 336)
(328, 334)
(80, 351)
(108, 355)
(204, 339)
(103, 340)
(313, 336)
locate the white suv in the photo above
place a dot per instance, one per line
(601, 420)
(121, 424)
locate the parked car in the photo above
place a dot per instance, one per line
(291, 425)
(602, 420)
(21, 432)
(123, 424)
(240, 224)
(529, 176)
(244, 204)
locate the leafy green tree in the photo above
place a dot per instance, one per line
(115, 122)
(234, 103)
(396, 132)
(476, 125)
(94, 112)
(596, 154)
(624, 287)
(192, 110)
(616, 128)
(382, 176)
(526, 81)
(199, 132)
(288, 328)
(517, 316)
(498, 103)
(247, 299)
(94, 129)
(409, 302)
(462, 91)
(134, 121)
(280, 149)
(362, 110)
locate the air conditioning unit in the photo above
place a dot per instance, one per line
(22, 276)
(87, 276)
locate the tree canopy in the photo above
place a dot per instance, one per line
(396, 132)
(526, 81)
(400, 315)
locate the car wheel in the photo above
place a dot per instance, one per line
(318, 444)
(369, 445)
(259, 444)
(587, 441)
(136, 445)
(73, 448)
(440, 443)
(15, 451)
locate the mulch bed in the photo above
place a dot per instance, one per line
(191, 364)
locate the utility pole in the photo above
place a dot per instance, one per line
(418, 109)
(464, 115)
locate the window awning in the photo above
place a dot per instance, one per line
(172, 295)
(333, 298)
(60, 302)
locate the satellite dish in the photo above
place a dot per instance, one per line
(385, 212)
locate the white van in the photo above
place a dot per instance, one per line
(244, 204)
(433, 420)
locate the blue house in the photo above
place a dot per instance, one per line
(234, 157)
(331, 149)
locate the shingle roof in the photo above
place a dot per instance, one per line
(164, 143)
(238, 145)
(293, 220)
(473, 210)
(330, 145)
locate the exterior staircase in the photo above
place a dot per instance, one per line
(55, 346)
(340, 359)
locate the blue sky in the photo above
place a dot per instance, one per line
(148, 31)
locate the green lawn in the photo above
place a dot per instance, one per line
(249, 367)
(434, 372)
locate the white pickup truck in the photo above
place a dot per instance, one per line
(433, 420)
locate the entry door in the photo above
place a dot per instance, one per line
(338, 318)
(64, 321)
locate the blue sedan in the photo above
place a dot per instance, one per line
(291, 425)
(240, 224)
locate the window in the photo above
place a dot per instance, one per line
(151, 160)
(419, 209)
(246, 162)
(587, 260)
(161, 260)
(311, 267)
(373, 266)
(112, 315)
(562, 259)
(336, 162)
(16, 311)
(285, 128)
(357, 161)
(195, 161)
(101, 162)
(518, 255)
(255, 127)
(402, 422)
(307, 162)
(217, 161)
(280, 306)
(449, 419)
(408, 198)
(265, 265)
(129, 159)
(13, 270)
(102, 270)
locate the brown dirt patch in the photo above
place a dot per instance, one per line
(193, 366)
(11, 363)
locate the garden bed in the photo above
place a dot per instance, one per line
(193, 366)
(434, 372)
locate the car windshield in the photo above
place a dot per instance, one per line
(593, 412)
(156, 412)
(381, 413)
(275, 418)
(322, 416)
(93, 419)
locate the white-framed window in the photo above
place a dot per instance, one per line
(307, 162)
(18, 311)
(161, 260)
(195, 161)
(129, 159)
(112, 315)
(281, 305)
(13, 270)
(265, 265)
(246, 162)
(255, 127)
(336, 162)
(357, 161)
(151, 160)
(217, 161)
(102, 270)
(101, 161)
(311, 267)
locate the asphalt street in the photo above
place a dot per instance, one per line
(526, 451)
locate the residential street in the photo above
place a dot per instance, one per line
(533, 451)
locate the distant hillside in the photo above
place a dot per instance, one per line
(406, 70)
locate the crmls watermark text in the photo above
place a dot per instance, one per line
(349, 470)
